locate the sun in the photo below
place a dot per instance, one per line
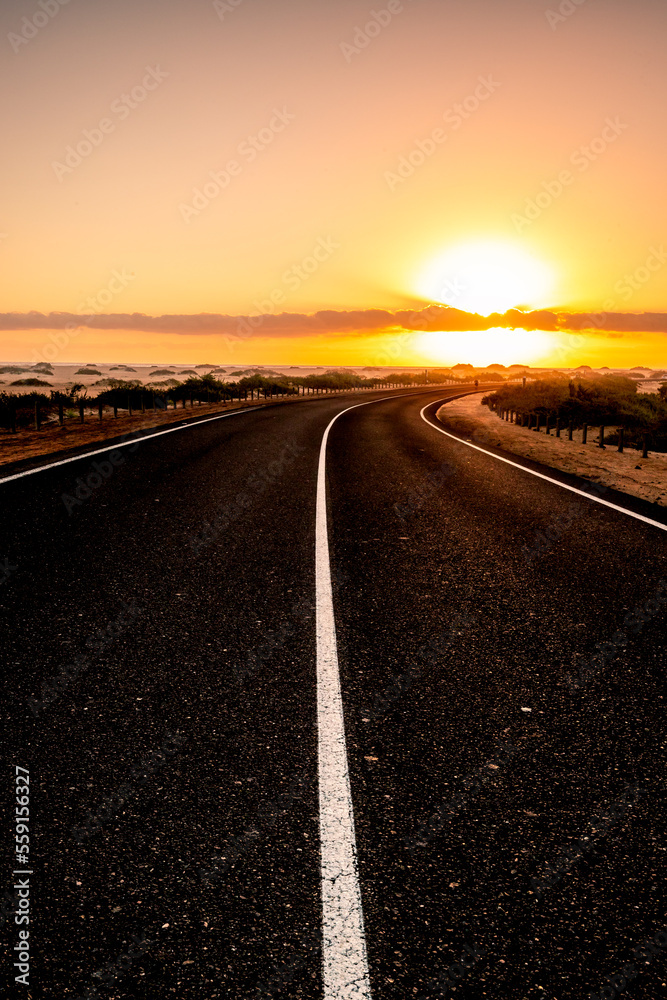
(486, 277)
(484, 347)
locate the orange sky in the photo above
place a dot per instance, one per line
(352, 153)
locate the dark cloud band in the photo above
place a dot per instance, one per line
(346, 322)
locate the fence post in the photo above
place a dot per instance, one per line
(115, 409)
(129, 406)
(557, 427)
(570, 430)
(80, 411)
(100, 408)
(584, 434)
(645, 446)
(601, 442)
(547, 429)
(61, 414)
(620, 439)
(539, 421)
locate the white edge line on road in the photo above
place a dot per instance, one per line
(127, 444)
(147, 437)
(344, 957)
(540, 475)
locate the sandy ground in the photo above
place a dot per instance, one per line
(628, 472)
(63, 375)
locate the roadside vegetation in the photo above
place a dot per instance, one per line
(19, 409)
(611, 401)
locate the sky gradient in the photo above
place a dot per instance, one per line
(248, 158)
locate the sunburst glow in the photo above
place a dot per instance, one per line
(483, 347)
(486, 277)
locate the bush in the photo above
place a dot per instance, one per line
(23, 406)
(329, 380)
(611, 400)
(31, 381)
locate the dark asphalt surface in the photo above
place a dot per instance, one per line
(160, 682)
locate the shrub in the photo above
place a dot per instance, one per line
(611, 400)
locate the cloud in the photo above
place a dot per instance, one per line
(271, 324)
(613, 321)
(345, 322)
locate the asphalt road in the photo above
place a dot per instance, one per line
(161, 688)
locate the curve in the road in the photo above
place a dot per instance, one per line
(344, 957)
(534, 472)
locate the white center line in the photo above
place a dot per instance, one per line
(344, 955)
(540, 475)
(344, 958)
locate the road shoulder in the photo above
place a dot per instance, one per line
(627, 473)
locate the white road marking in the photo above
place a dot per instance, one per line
(344, 955)
(540, 475)
(126, 444)
(344, 958)
(147, 437)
